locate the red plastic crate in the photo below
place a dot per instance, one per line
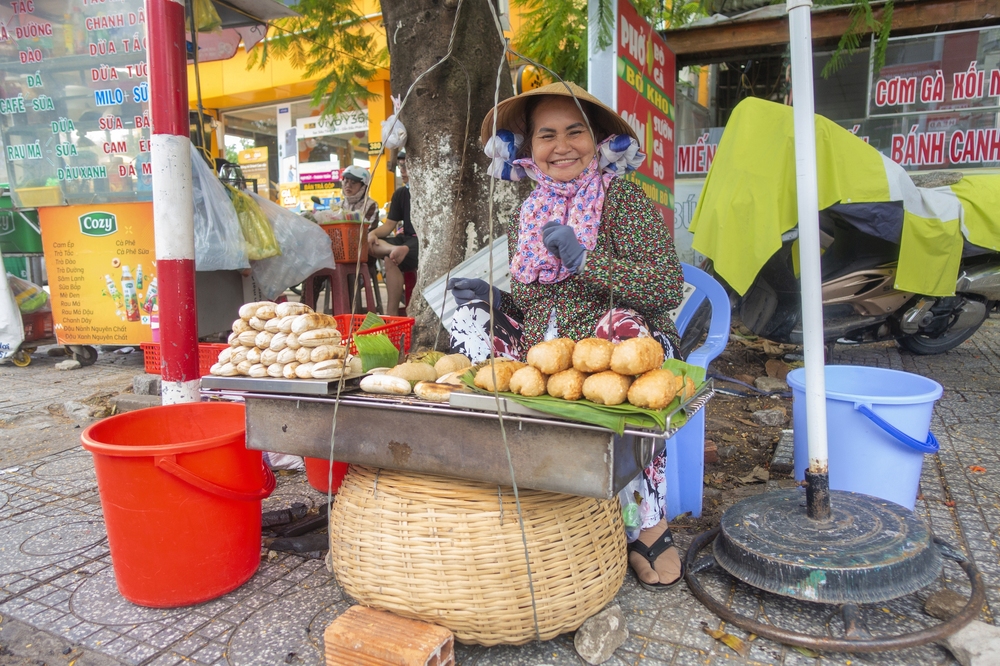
(345, 237)
(37, 325)
(208, 354)
(399, 330)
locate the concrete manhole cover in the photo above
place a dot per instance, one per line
(70, 467)
(66, 538)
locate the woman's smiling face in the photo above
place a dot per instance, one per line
(561, 145)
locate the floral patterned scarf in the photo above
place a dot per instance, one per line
(577, 202)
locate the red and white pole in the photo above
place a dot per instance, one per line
(173, 204)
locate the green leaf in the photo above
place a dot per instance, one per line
(696, 373)
(372, 320)
(376, 351)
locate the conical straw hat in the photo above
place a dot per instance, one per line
(511, 116)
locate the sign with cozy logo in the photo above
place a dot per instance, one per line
(98, 224)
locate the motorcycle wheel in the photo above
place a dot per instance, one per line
(925, 346)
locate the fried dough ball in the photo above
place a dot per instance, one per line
(567, 384)
(528, 381)
(552, 356)
(655, 389)
(504, 371)
(593, 355)
(637, 356)
(606, 388)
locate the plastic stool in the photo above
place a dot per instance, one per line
(409, 282)
(338, 277)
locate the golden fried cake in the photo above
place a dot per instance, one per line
(593, 355)
(567, 384)
(655, 389)
(504, 371)
(552, 356)
(528, 381)
(636, 356)
(606, 388)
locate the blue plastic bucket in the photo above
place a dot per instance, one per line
(877, 424)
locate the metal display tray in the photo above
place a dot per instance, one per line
(466, 441)
(327, 387)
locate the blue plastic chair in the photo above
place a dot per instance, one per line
(685, 469)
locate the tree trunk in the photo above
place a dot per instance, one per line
(449, 204)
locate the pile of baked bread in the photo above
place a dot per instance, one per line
(593, 368)
(285, 340)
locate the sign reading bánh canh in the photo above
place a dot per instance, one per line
(935, 103)
(74, 101)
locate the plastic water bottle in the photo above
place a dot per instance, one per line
(630, 514)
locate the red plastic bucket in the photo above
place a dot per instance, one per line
(181, 497)
(318, 474)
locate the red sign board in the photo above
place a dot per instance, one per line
(644, 96)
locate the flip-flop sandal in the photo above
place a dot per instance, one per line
(650, 553)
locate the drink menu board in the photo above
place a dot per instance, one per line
(74, 101)
(101, 262)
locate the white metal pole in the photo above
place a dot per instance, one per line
(800, 41)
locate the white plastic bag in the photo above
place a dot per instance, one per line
(393, 131)
(28, 295)
(11, 326)
(218, 240)
(284, 461)
(305, 249)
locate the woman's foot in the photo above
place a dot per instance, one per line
(653, 557)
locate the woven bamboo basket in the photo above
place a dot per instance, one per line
(449, 551)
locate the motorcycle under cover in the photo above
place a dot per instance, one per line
(749, 201)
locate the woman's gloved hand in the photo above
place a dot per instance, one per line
(561, 241)
(472, 289)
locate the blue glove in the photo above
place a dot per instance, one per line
(472, 289)
(561, 241)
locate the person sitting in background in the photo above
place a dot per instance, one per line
(354, 185)
(399, 251)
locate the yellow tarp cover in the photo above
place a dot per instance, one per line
(749, 199)
(980, 197)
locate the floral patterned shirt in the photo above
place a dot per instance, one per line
(633, 265)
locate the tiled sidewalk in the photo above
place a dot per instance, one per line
(56, 575)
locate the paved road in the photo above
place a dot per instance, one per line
(57, 589)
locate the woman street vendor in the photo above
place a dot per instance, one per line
(590, 256)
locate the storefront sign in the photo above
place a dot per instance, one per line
(938, 73)
(253, 164)
(644, 96)
(74, 106)
(340, 123)
(696, 158)
(102, 272)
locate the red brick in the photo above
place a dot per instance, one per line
(711, 452)
(369, 637)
